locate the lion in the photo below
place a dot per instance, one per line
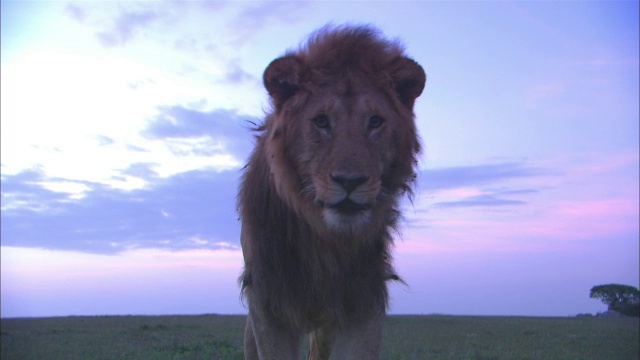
(319, 196)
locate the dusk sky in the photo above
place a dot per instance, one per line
(125, 126)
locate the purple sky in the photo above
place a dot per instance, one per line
(125, 127)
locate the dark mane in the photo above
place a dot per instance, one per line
(334, 50)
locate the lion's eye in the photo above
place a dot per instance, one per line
(375, 122)
(321, 121)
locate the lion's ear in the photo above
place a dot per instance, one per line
(409, 79)
(282, 78)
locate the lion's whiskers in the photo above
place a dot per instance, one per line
(308, 189)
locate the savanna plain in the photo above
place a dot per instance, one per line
(406, 337)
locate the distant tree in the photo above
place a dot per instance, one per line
(621, 298)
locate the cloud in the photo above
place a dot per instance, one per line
(76, 12)
(191, 23)
(118, 23)
(83, 138)
(204, 50)
(448, 193)
(179, 121)
(480, 200)
(482, 195)
(173, 214)
(92, 163)
(196, 140)
(125, 26)
(27, 192)
(462, 176)
(554, 204)
(236, 74)
(559, 226)
(211, 133)
(260, 14)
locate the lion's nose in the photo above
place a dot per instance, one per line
(349, 183)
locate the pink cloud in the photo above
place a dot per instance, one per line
(540, 228)
(588, 196)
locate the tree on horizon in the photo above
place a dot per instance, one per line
(624, 299)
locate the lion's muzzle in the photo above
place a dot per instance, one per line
(349, 183)
(347, 200)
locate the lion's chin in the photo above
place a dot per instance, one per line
(346, 220)
(349, 207)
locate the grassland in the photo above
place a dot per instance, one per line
(406, 337)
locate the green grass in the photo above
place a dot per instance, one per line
(123, 337)
(406, 337)
(469, 337)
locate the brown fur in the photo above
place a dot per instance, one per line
(310, 264)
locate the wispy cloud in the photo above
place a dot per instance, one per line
(480, 200)
(218, 140)
(197, 42)
(461, 176)
(118, 23)
(228, 128)
(564, 201)
(258, 15)
(125, 26)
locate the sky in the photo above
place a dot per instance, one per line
(125, 127)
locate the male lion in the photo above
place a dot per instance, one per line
(320, 194)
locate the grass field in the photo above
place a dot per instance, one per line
(406, 337)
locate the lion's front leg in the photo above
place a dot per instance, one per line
(321, 343)
(250, 347)
(267, 340)
(361, 340)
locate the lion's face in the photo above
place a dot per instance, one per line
(344, 150)
(343, 146)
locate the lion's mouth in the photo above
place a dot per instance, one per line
(349, 207)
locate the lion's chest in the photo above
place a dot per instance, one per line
(321, 284)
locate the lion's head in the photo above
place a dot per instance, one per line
(341, 141)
